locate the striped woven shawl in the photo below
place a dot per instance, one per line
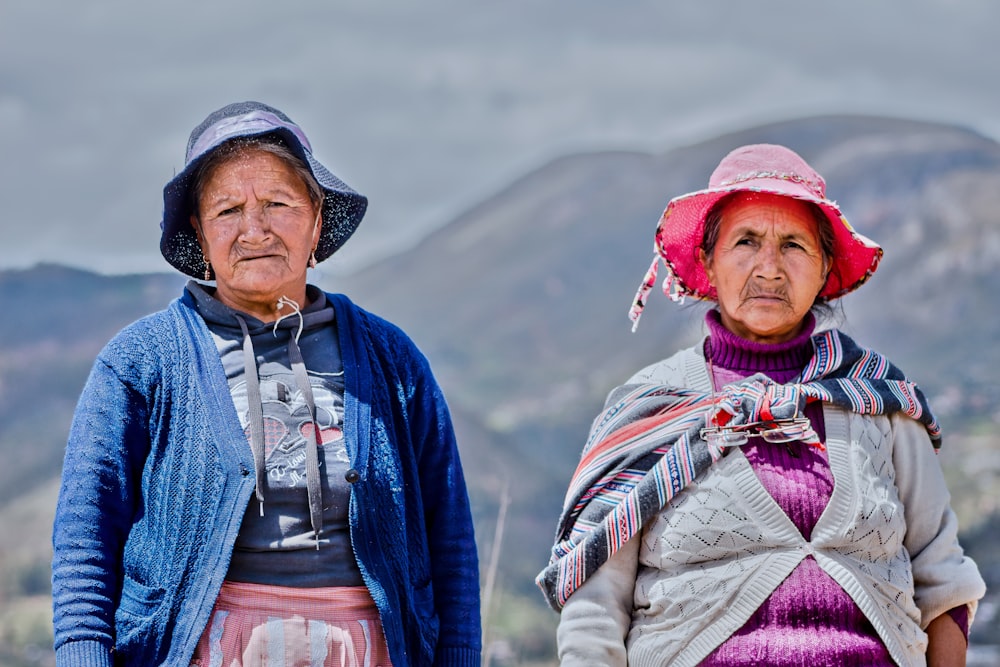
(646, 446)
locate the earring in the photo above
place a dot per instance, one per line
(208, 268)
(312, 260)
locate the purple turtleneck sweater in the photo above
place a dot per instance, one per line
(809, 618)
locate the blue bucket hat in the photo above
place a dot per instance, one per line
(343, 208)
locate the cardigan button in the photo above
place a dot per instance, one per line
(352, 476)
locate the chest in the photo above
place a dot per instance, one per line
(728, 513)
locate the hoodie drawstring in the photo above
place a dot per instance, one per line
(256, 418)
(255, 409)
(313, 487)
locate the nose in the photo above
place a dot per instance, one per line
(254, 224)
(769, 265)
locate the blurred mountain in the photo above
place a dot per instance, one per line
(56, 320)
(521, 304)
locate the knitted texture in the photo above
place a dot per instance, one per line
(808, 617)
(646, 446)
(724, 547)
(158, 474)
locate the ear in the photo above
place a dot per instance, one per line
(827, 267)
(196, 225)
(318, 226)
(706, 264)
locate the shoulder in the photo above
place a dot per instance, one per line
(676, 370)
(151, 341)
(366, 318)
(157, 325)
(381, 336)
(910, 436)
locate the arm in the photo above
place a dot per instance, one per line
(946, 643)
(95, 510)
(943, 577)
(448, 518)
(595, 621)
(430, 490)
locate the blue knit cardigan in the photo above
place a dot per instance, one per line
(158, 474)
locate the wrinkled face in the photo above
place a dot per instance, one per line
(258, 227)
(767, 266)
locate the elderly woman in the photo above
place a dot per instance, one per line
(262, 473)
(770, 496)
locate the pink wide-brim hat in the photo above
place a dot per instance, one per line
(762, 168)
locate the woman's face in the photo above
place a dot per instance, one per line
(257, 227)
(767, 266)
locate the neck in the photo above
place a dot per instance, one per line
(780, 361)
(265, 308)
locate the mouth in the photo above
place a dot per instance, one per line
(256, 256)
(767, 298)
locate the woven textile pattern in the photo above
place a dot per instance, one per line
(646, 446)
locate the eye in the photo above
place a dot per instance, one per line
(222, 213)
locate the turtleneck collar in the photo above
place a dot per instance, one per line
(731, 352)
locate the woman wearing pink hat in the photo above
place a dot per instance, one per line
(770, 496)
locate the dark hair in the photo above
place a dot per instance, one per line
(269, 143)
(827, 240)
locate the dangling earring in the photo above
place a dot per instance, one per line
(312, 260)
(208, 268)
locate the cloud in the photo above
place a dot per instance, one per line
(428, 108)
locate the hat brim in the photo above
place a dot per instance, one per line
(343, 209)
(681, 230)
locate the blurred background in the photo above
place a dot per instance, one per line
(429, 107)
(516, 156)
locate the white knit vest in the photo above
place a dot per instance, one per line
(725, 545)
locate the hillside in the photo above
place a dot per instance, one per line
(536, 281)
(521, 303)
(56, 321)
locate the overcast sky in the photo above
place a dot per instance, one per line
(430, 106)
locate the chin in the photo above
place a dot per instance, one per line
(262, 284)
(777, 334)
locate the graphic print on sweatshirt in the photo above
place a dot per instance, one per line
(286, 418)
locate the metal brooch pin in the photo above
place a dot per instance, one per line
(774, 431)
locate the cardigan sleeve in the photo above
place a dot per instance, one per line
(97, 502)
(448, 519)
(594, 622)
(943, 576)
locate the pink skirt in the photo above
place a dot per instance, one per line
(276, 626)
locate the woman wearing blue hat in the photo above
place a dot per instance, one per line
(262, 473)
